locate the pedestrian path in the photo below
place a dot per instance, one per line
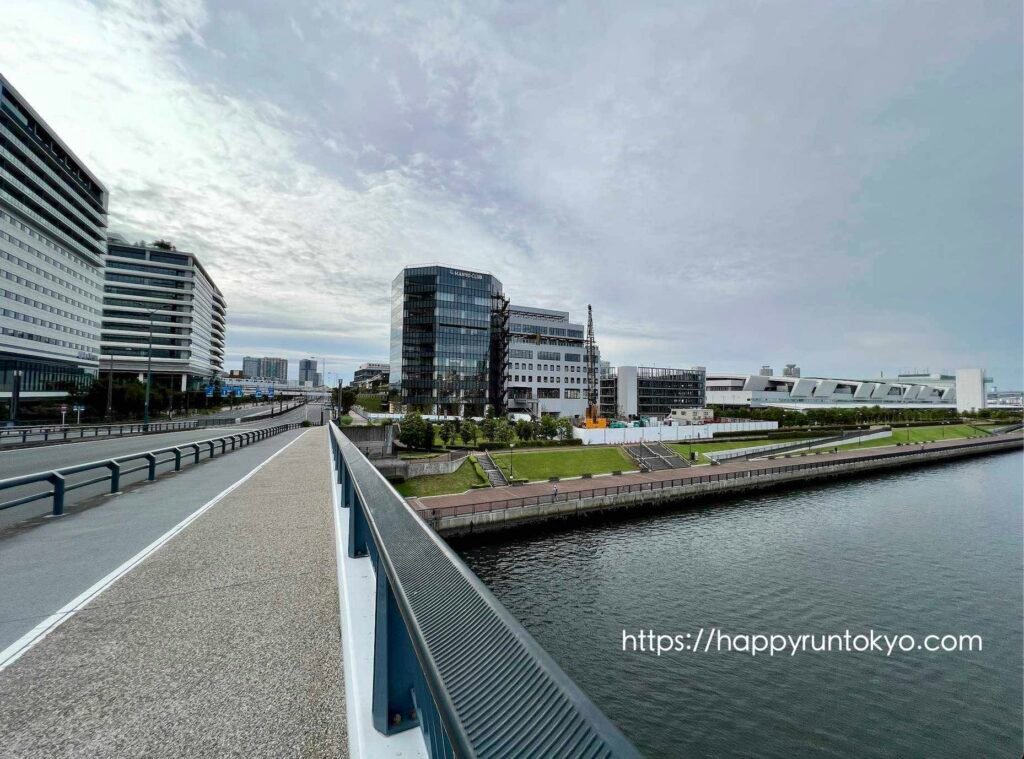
(225, 641)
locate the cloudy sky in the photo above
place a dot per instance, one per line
(836, 184)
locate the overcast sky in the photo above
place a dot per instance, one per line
(835, 184)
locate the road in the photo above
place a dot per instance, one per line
(46, 563)
(26, 461)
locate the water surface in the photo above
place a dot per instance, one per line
(931, 550)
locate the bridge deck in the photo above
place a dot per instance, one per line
(225, 641)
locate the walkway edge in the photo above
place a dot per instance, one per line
(357, 608)
(25, 643)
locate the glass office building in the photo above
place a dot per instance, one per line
(448, 340)
(53, 218)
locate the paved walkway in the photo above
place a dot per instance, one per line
(224, 642)
(487, 499)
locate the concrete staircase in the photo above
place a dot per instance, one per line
(494, 474)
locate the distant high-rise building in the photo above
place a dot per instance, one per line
(767, 371)
(308, 372)
(265, 368)
(791, 370)
(53, 239)
(371, 371)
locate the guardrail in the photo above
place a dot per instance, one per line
(514, 503)
(448, 657)
(757, 451)
(116, 467)
(70, 432)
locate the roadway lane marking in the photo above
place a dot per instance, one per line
(14, 651)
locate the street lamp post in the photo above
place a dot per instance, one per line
(110, 386)
(15, 395)
(149, 371)
(511, 468)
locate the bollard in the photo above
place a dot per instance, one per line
(58, 493)
(177, 459)
(115, 476)
(151, 458)
(197, 449)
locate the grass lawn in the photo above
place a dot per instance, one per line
(540, 465)
(919, 435)
(458, 481)
(723, 445)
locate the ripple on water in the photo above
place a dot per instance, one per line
(935, 550)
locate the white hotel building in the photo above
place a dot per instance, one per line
(546, 371)
(169, 292)
(964, 391)
(53, 218)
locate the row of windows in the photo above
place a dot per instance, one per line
(84, 351)
(144, 293)
(90, 294)
(517, 353)
(123, 303)
(549, 356)
(536, 329)
(39, 375)
(547, 379)
(132, 279)
(546, 367)
(144, 339)
(10, 275)
(18, 298)
(148, 269)
(49, 325)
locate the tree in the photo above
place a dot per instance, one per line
(487, 426)
(470, 432)
(348, 399)
(447, 434)
(564, 429)
(548, 427)
(411, 430)
(428, 436)
(163, 245)
(524, 430)
(503, 432)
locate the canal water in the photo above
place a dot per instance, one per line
(936, 550)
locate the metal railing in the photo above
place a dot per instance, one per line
(695, 479)
(448, 657)
(119, 467)
(62, 433)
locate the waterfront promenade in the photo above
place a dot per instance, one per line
(225, 641)
(495, 508)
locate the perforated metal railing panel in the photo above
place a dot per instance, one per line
(498, 692)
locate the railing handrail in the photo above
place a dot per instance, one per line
(114, 464)
(578, 495)
(494, 688)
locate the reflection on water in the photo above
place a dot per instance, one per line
(932, 550)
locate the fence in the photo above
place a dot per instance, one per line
(448, 657)
(117, 467)
(67, 433)
(665, 433)
(696, 479)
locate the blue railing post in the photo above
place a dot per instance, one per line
(58, 493)
(394, 665)
(358, 531)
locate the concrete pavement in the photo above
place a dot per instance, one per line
(223, 642)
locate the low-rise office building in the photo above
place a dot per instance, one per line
(53, 218)
(371, 373)
(546, 370)
(964, 391)
(631, 392)
(161, 312)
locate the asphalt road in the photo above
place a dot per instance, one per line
(47, 562)
(26, 461)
